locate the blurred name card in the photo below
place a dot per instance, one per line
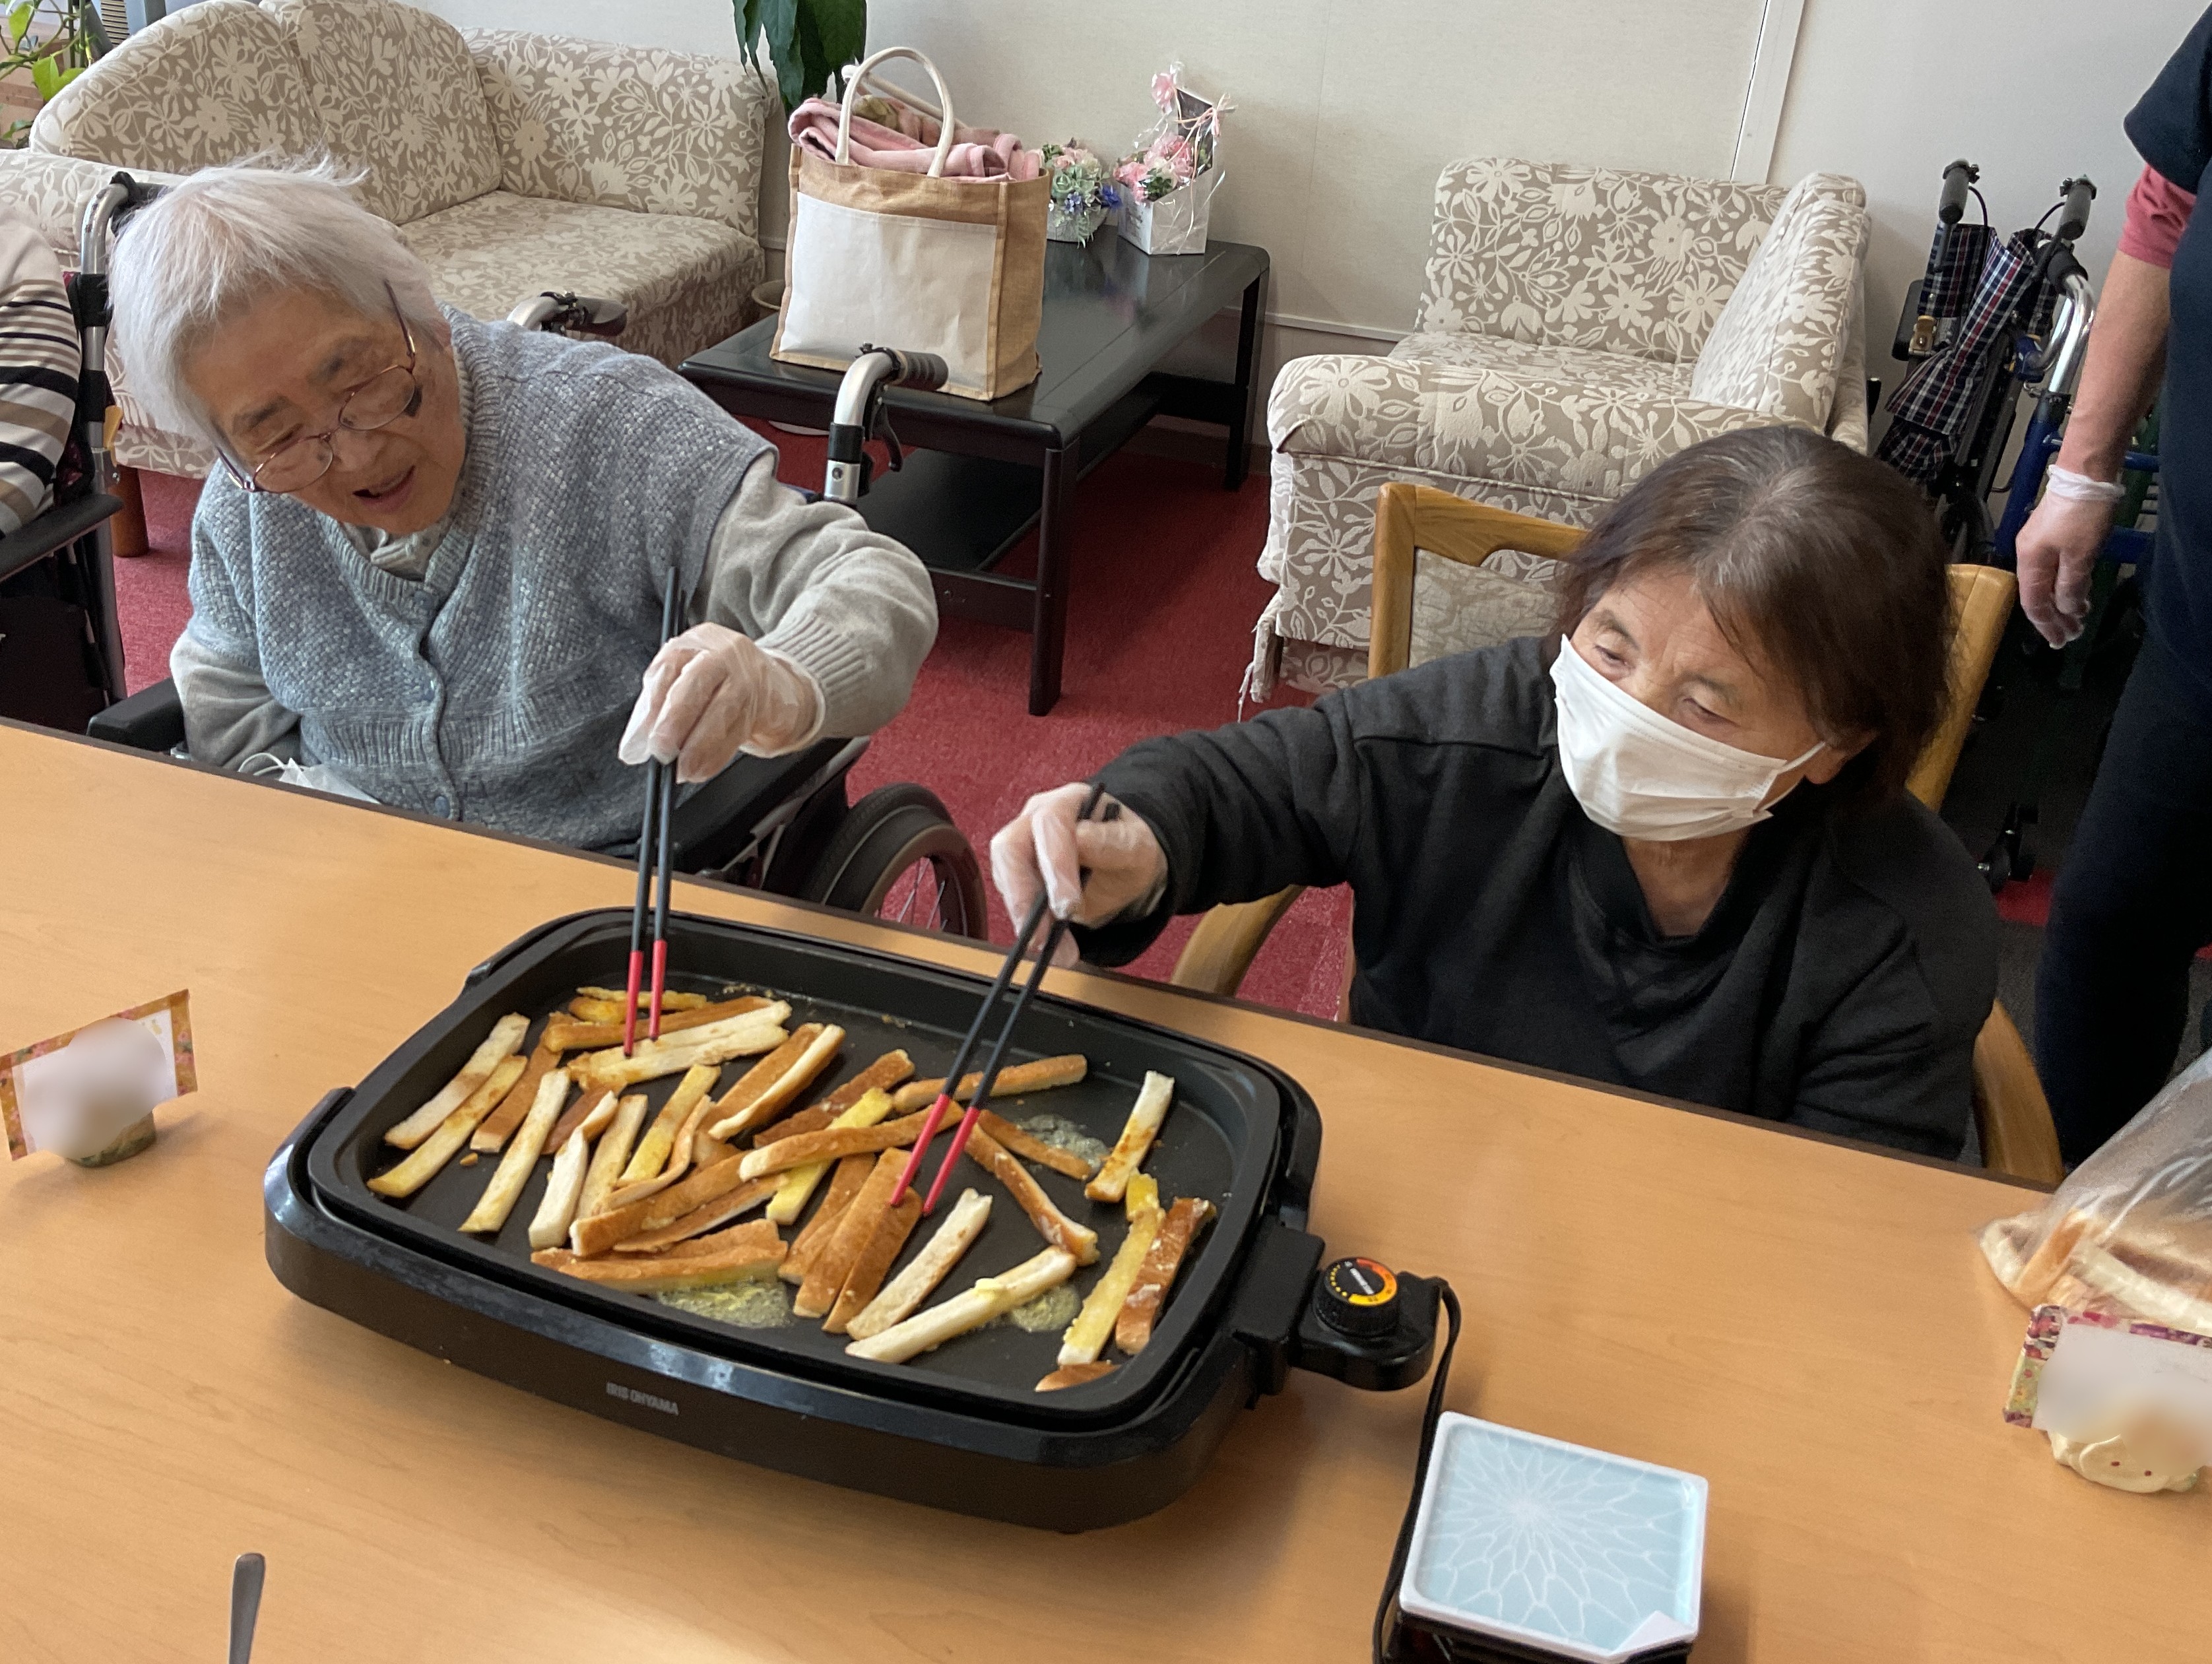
(89, 1093)
(2127, 1403)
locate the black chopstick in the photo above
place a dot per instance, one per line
(652, 839)
(937, 1109)
(990, 1073)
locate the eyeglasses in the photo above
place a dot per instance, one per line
(384, 398)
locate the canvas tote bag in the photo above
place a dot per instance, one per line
(920, 262)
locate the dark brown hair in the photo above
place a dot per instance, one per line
(1815, 561)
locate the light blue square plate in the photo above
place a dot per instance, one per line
(1559, 1548)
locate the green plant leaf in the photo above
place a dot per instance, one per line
(19, 20)
(808, 40)
(47, 76)
(840, 36)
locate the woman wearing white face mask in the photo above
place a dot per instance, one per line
(1668, 849)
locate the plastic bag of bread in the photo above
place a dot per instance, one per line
(2129, 1234)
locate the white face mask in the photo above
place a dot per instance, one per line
(1639, 775)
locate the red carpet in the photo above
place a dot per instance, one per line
(1159, 631)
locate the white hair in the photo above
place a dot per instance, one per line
(224, 238)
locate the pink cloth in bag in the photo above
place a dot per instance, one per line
(976, 153)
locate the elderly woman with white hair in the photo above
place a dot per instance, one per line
(430, 570)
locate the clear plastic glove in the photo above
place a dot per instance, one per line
(2057, 550)
(711, 692)
(1045, 847)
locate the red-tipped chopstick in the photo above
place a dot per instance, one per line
(990, 1076)
(944, 1098)
(990, 1073)
(652, 840)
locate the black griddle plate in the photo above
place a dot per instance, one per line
(1232, 1119)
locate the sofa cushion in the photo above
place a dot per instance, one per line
(1780, 344)
(1548, 253)
(1625, 372)
(205, 86)
(684, 280)
(662, 132)
(396, 95)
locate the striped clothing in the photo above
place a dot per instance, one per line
(39, 356)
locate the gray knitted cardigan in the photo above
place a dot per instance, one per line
(493, 690)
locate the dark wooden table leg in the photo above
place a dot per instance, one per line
(1249, 329)
(1048, 633)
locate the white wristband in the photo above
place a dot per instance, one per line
(2079, 488)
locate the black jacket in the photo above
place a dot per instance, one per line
(1839, 984)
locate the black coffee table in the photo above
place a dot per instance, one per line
(984, 474)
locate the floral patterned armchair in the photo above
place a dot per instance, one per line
(1580, 325)
(511, 163)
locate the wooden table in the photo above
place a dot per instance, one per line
(1806, 1324)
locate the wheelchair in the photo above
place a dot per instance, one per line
(784, 825)
(1989, 324)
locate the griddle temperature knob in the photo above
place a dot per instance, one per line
(1357, 1297)
(1368, 1326)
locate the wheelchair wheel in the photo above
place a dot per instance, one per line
(898, 857)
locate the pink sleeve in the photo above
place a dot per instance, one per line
(2158, 213)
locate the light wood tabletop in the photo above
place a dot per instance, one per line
(1808, 1326)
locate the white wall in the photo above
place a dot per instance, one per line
(1890, 91)
(1347, 107)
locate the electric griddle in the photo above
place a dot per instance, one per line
(962, 1427)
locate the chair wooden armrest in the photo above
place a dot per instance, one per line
(1409, 517)
(1220, 949)
(2013, 1115)
(1981, 603)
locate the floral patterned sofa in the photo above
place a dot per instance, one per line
(511, 163)
(1580, 325)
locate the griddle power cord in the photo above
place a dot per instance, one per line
(1429, 1418)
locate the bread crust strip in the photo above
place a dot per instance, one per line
(700, 1220)
(1012, 1081)
(1073, 1374)
(599, 1102)
(503, 1041)
(423, 1162)
(834, 1143)
(522, 1152)
(1129, 1150)
(1133, 1329)
(605, 1004)
(1032, 1148)
(492, 1134)
(1087, 1336)
(987, 1299)
(568, 1034)
(770, 1086)
(1056, 1227)
(610, 1153)
(745, 1254)
(874, 1263)
(716, 1043)
(905, 1292)
(593, 1236)
(800, 1181)
(664, 1155)
(844, 1184)
(817, 1294)
(548, 1226)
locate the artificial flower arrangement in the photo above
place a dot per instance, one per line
(1083, 193)
(1165, 204)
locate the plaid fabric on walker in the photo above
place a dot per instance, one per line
(1934, 401)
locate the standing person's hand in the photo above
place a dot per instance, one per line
(711, 692)
(1044, 847)
(2057, 549)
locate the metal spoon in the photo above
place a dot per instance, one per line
(245, 1605)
